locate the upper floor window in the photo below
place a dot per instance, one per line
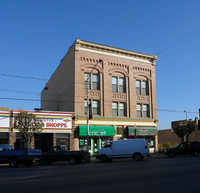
(95, 107)
(92, 80)
(118, 84)
(142, 87)
(118, 109)
(142, 110)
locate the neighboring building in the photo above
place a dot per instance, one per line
(57, 127)
(168, 136)
(122, 92)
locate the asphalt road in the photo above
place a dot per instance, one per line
(125, 175)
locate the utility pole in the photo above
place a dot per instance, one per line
(89, 79)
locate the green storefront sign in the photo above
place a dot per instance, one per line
(97, 130)
(142, 131)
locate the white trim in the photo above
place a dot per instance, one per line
(112, 54)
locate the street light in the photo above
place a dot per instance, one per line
(186, 114)
(89, 78)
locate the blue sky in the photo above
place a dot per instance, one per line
(36, 34)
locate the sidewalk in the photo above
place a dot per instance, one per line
(157, 155)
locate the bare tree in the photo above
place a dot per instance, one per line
(183, 130)
(28, 125)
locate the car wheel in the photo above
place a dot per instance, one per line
(171, 155)
(137, 157)
(13, 162)
(103, 158)
(72, 160)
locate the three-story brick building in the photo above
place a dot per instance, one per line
(122, 93)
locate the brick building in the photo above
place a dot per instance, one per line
(122, 92)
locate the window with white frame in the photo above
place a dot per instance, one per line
(142, 87)
(142, 110)
(118, 84)
(118, 109)
(93, 80)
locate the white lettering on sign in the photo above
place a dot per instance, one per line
(57, 123)
(97, 133)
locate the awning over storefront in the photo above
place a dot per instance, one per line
(97, 130)
(142, 131)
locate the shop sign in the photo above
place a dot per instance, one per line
(97, 131)
(55, 123)
(142, 131)
(4, 121)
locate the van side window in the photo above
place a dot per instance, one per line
(108, 144)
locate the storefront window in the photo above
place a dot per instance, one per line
(62, 139)
(83, 144)
(4, 138)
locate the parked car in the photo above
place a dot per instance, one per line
(191, 148)
(58, 153)
(135, 148)
(14, 157)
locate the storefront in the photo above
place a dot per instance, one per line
(56, 130)
(149, 133)
(98, 135)
(4, 127)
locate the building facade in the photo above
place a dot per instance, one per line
(57, 127)
(121, 86)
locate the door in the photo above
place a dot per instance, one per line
(95, 146)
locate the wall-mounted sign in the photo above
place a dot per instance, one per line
(53, 123)
(4, 121)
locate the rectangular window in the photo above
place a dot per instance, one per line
(85, 107)
(95, 107)
(121, 85)
(118, 109)
(87, 77)
(95, 81)
(122, 109)
(142, 110)
(144, 88)
(139, 110)
(118, 84)
(92, 80)
(145, 111)
(114, 84)
(138, 87)
(115, 109)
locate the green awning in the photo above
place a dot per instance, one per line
(97, 130)
(142, 131)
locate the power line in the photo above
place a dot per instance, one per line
(178, 41)
(38, 100)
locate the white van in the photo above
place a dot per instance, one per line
(135, 148)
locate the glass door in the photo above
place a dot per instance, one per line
(95, 146)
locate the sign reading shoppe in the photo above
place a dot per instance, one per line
(61, 123)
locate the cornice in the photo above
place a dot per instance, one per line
(108, 50)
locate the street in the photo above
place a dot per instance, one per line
(163, 175)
